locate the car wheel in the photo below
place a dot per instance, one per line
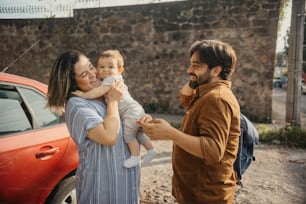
(65, 192)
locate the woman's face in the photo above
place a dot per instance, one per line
(85, 74)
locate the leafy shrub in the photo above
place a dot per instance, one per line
(289, 135)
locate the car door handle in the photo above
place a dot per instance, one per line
(46, 154)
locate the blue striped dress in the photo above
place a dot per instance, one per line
(101, 177)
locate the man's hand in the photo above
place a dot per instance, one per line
(156, 129)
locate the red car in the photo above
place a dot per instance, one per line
(38, 158)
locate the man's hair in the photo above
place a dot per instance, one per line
(113, 53)
(216, 53)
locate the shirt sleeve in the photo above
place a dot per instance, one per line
(81, 116)
(214, 126)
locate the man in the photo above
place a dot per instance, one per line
(205, 149)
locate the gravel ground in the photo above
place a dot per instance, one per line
(277, 176)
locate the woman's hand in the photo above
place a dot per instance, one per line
(115, 93)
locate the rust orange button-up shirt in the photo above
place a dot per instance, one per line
(213, 115)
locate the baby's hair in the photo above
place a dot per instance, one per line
(113, 53)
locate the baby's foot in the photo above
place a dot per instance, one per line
(132, 161)
(149, 156)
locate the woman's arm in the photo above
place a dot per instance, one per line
(107, 132)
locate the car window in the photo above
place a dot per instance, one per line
(37, 103)
(10, 94)
(12, 117)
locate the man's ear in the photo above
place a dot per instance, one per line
(120, 70)
(215, 71)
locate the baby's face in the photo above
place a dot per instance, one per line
(106, 67)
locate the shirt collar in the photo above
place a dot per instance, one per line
(205, 88)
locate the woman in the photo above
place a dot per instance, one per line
(96, 129)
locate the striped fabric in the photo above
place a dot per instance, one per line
(101, 177)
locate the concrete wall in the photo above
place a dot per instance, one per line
(154, 40)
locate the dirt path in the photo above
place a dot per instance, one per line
(277, 176)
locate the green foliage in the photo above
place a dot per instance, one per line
(291, 136)
(281, 59)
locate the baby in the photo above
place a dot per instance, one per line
(109, 69)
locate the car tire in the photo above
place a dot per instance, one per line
(64, 193)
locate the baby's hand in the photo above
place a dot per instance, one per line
(78, 93)
(146, 118)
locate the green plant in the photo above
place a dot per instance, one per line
(289, 135)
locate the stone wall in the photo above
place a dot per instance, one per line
(154, 40)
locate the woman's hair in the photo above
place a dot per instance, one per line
(62, 80)
(113, 53)
(216, 53)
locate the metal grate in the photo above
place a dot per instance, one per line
(55, 9)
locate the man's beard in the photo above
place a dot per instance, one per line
(203, 79)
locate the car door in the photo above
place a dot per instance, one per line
(32, 144)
